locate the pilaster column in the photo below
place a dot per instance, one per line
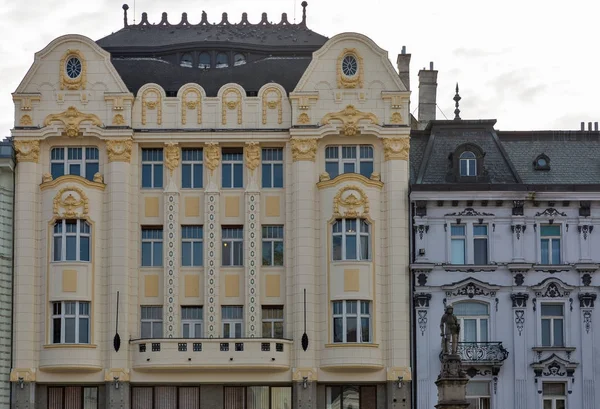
(424, 384)
(520, 349)
(586, 304)
(518, 228)
(585, 229)
(252, 241)
(212, 236)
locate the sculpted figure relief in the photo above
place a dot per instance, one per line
(450, 328)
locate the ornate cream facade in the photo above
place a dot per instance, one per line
(112, 211)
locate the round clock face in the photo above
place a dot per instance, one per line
(349, 66)
(73, 67)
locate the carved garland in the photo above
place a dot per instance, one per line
(272, 104)
(72, 119)
(356, 81)
(171, 156)
(396, 148)
(252, 154)
(351, 202)
(304, 149)
(213, 156)
(350, 117)
(231, 105)
(152, 104)
(27, 151)
(119, 150)
(70, 204)
(73, 83)
(191, 104)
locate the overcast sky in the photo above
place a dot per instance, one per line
(530, 64)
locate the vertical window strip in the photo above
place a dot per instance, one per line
(232, 168)
(352, 321)
(152, 247)
(272, 167)
(272, 245)
(458, 240)
(192, 252)
(272, 321)
(232, 246)
(151, 322)
(152, 168)
(351, 240)
(72, 239)
(192, 168)
(71, 322)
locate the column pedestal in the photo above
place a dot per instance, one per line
(23, 398)
(452, 384)
(398, 398)
(117, 398)
(305, 398)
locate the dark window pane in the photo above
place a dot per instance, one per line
(57, 248)
(90, 170)
(266, 251)
(198, 175)
(186, 176)
(71, 247)
(278, 175)
(226, 253)
(226, 169)
(338, 330)
(186, 254)
(146, 254)
(337, 247)
(351, 333)
(70, 330)
(545, 333)
(57, 169)
(158, 176)
(366, 168)
(84, 334)
(278, 253)
(266, 175)
(146, 175)
(238, 175)
(75, 169)
(332, 169)
(480, 251)
(558, 333)
(198, 255)
(350, 247)
(84, 249)
(56, 331)
(349, 168)
(157, 256)
(365, 329)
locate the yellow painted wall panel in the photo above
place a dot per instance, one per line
(232, 206)
(232, 285)
(272, 206)
(273, 285)
(69, 281)
(192, 207)
(151, 285)
(192, 285)
(151, 207)
(351, 281)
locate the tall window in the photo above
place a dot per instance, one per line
(191, 168)
(152, 168)
(257, 397)
(73, 397)
(222, 60)
(272, 167)
(71, 240)
(351, 239)
(272, 245)
(152, 322)
(474, 319)
(458, 241)
(478, 395)
(232, 250)
(553, 318)
(349, 159)
(468, 164)
(71, 322)
(204, 61)
(352, 321)
(186, 60)
(555, 396)
(272, 321)
(152, 246)
(550, 244)
(480, 243)
(164, 397)
(232, 167)
(232, 319)
(351, 396)
(191, 322)
(79, 161)
(191, 246)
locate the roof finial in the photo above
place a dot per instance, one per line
(304, 4)
(456, 99)
(125, 8)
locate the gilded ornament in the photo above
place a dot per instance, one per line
(98, 177)
(27, 151)
(376, 176)
(352, 202)
(323, 177)
(231, 105)
(119, 150)
(122, 374)
(47, 177)
(213, 156)
(152, 104)
(70, 203)
(303, 118)
(71, 119)
(272, 104)
(24, 374)
(304, 149)
(72, 83)
(355, 81)
(171, 156)
(396, 148)
(26, 101)
(118, 120)
(396, 118)
(25, 121)
(252, 152)
(350, 117)
(191, 104)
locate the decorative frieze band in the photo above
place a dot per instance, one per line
(253, 328)
(171, 280)
(212, 258)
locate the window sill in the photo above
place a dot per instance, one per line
(151, 267)
(552, 268)
(72, 178)
(54, 346)
(70, 262)
(470, 268)
(351, 345)
(351, 261)
(553, 349)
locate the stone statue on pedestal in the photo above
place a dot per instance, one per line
(450, 329)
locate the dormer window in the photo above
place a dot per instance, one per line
(542, 162)
(468, 164)
(239, 59)
(222, 60)
(204, 61)
(186, 61)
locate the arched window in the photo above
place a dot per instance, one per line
(239, 59)
(222, 60)
(468, 164)
(186, 60)
(474, 319)
(351, 239)
(204, 61)
(71, 240)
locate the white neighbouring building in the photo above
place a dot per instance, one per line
(505, 229)
(231, 199)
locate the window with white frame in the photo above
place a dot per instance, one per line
(71, 322)
(474, 320)
(192, 171)
(349, 159)
(232, 168)
(152, 246)
(152, 168)
(152, 322)
(272, 245)
(458, 244)
(191, 246)
(232, 250)
(351, 239)
(553, 318)
(351, 321)
(272, 167)
(191, 322)
(480, 244)
(478, 395)
(550, 244)
(75, 160)
(468, 164)
(232, 321)
(71, 240)
(272, 321)
(554, 395)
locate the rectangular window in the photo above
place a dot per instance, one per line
(80, 161)
(152, 247)
(232, 246)
(232, 168)
(554, 395)
(478, 395)
(258, 397)
(351, 239)
(165, 397)
(71, 240)
(272, 167)
(191, 168)
(272, 245)
(351, 321)
(349, 159)
(191, 322)
(553, 325)
(72, 397)
(550, 244)
(351, 396)
(71, 322)
(152, 168)
(480, 244)
(458, 241)
(232, 319)
(191, 246)
(152, 322)
(272, 321)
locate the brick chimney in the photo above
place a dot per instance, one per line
(427, 94)
(403, 63)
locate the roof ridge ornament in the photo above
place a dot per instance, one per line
(456, 99)
(125, 8)
(264, 20)
(244, 21)
(304, 4)
(144, 21)
(204, 20)
(164, 21)
(184, 21)
(224, 20)
(284, 19)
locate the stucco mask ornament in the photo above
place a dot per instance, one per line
(450, 328)
(213, 156)
(171, 156)
(252, 155)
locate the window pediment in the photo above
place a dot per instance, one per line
(554, 365)
(470, 288)
(351, 201)
(71, 202)
(552, 288)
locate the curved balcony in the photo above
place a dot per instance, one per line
(354, 357)
(482, 353)
(250, 354)
(70, 358)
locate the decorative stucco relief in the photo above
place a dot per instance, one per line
(252, 154)
(72, 119)
(151, 100)
(304, 149)
(172, 156)
(119, 150)
(350, 117)
(351, 201)
(396, 148)
(231, 104)
(268, 103)
(66, 205)
(27, 151)
(189, 104)
(212, 156)
(73, 83)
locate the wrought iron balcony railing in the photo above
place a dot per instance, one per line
(482, 352)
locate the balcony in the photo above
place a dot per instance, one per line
(482, 353)
(251, 354)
